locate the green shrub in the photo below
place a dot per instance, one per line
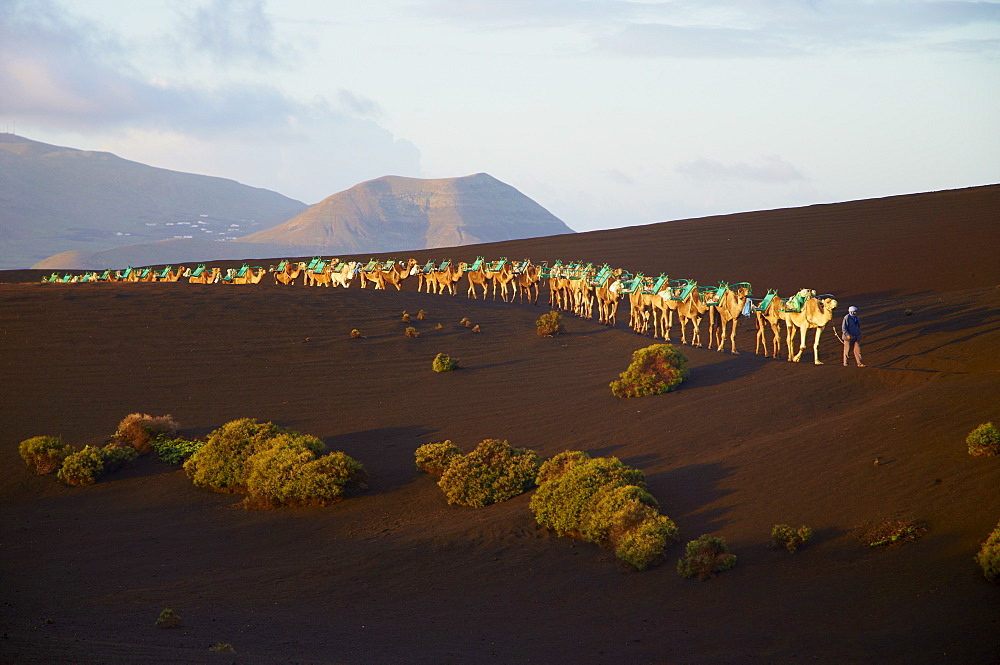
(175, 451)
(291, 473)
(656, 369)
(493, 472)
(139, 430)
(705, 557)
(549, 324)
(605, 502)
(117, 455)
(791, 539)
(221, 464)
(168, 619)
(434, 458)
(889, 532)
(83, 467)
(444, 363)
(989, 556)
(984, 440)
(44, 454)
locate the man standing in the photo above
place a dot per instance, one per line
(852, 335)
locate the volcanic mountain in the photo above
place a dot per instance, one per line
(394, 213)
(55, 199)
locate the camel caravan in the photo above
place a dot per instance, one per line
(655, 303)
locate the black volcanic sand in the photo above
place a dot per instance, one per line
(398, 576)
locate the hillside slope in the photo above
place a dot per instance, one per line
(57, 199)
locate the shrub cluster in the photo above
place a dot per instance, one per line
(140, 429)
(656, 369)
(549, 324)
(705, 557)
(444, 363)
(175, 451)
(434, 458)
(988, 557)
(494, 472)
(85, 467)
(411, 332)
(791, 539)
(603, 501)
(272, 466)
(44, 454)
(984, 440)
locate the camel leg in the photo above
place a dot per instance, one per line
(802, 344)
(816, 360)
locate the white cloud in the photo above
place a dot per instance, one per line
(769, 169)
(232, 31)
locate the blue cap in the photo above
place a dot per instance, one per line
(852, 309)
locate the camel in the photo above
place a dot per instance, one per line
(250, 276)
(816, 314)
(173, 276)
(201, 275)
(343, 275)
(477, 276)
(287, 272)
(445, 280)
(729, 306)
(397, 273)
(527, 282)
(318, 275)
(502, 278)
(608, 296)
(692, 308)
(769, 312)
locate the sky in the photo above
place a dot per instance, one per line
(608, 113)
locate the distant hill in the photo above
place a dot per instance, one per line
(394, 213)
(55, 199)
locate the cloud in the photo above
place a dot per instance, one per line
(232, 31)
(770, 169)
(527, 13)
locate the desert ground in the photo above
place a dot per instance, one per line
(396, 575)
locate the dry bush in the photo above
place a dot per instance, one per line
(411, 332)
(550, 324)
(705, 557)
(984, 441)
(889, 532)
(44, 454)
(656, 369)
(168, 619)
(355, 333)
(139, 430)
(421, 315)
(494, 472)
(988, 557)
(434, 458)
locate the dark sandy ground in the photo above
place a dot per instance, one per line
(398, 576)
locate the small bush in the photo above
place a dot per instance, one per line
(421, 315)
(984, 441)
(291, 473)
(406, 317)
(225, 647)
(175, 451)
(605, 502)
(889, 532)
(477, 329)
(434, 458)
(705, 557)
(44, 454)
(656, 369)
(168, 619)
(116, 455)
(988, 557)
(438, 327)
(549, 324)
(411, 332)
(83, 467)
(493, 472)
(221, 464)
(466, 322)
(355, 333)
(444, 363)
(139, 430)
(791, 539)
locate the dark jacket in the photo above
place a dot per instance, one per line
(852, 327)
